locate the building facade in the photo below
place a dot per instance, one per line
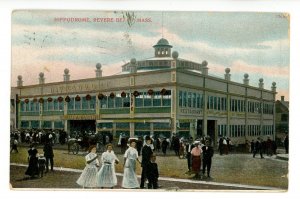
(282, 118)
(157, 96)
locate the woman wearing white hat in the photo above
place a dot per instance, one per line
(130, 157)
(196, 158)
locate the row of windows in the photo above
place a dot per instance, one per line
(30, 106)
(191, 100)
(44, 124)
(83, 104)
(240, 130)
(267, 130)
(143, 100)
(237, 105)
(162, 51)
(256, 107)
(268, 109)
(55, 105)
(186, 99)
(137, 125)
(217, 103)
(196, 100)
(189, 65)
(146, 100)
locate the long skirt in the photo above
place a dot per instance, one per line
(33, 168)
(106, 177)
(130, 180)
(196, 164)
(88, 177)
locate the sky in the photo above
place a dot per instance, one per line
(245, 42)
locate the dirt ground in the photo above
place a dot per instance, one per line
(67, 180)
(232, 168)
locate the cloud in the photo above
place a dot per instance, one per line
(244, 42)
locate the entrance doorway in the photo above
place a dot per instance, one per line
(211, 130)
(82, 125)
(199, 128)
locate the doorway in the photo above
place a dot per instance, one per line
(211, 130)
(82, 125)
(199, 128)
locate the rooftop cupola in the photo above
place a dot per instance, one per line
(162, 48)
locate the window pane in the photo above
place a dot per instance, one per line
(71, 104)
(180, 98)
(157, 99)
(111, 102)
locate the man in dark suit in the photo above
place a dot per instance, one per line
(188, 148)
(146, 156)
(48, 153)
(258, 148)
(208, 153)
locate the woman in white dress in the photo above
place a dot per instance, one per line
(130, 157)
(88, 175)
(106, 177)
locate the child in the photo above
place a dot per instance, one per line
(106, 177)
(88, 176)
(153, 173)
(42, 165)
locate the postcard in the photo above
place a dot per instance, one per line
(149, 100)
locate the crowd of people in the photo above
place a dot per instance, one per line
(105, 177)
(39, 136)
(197, 152)
(38, 163)
(268, 147)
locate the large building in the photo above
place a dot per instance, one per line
(156, 96)
(282, 118)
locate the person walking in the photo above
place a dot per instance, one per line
(164, 146)
(146, 155)
(49, 155)
(188, 149)
(252, 146)
(196, 159)
(176, 145)
(208, 153)
(225, 146)
(14, 145)
(130, 180)
(89, 173)
(269, 147)
(33, 168)
(106, 177)
(221, 148)
(258, 148)
(153, 173)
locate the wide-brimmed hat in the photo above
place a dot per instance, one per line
(147, 137)
(197, 142)
(130, 140)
